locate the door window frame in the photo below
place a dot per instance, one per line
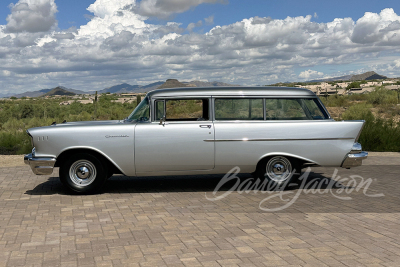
(164, 99)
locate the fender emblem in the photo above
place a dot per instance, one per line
(112, 136)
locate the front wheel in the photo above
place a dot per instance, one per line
(279, 171)
(83, 173)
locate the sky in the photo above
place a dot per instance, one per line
(92, 45)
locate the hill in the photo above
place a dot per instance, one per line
(127, 88)
(45, 91)
(58, 91)
(172, 83)
(120, 88)
(370, 75)
(33, 94)
(210, 84)
(123, 88)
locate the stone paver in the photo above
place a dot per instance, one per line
(168, 221)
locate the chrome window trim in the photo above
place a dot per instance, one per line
(154, 99)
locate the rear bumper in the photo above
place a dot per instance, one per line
(40, 166)
(354, 160)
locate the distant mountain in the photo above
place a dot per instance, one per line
(173, 83)
(33, 94)
(150, 87)
(127, 88)
(58, 91)
(45, 91)
(122, 88)
(370, 75)
(210, 84)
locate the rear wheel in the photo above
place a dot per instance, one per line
(83, 173)
(279, 170)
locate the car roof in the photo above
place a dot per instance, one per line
(231, 91)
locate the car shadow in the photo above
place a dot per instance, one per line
(197, 183)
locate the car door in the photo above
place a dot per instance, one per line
(177, 142)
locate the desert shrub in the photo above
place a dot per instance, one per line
(27, 111)
(378, 134)
(360, 111)
(14, 143)
(335, 101)
(380, 96)
(357, 97)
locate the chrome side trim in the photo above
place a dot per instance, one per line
(275, 139)
(40, 166)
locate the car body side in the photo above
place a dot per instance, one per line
(201, 147)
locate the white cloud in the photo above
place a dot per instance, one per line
(118, 44)
(103, 8)
(166, 8)
(209, 20)
(32, 16)
(192, 25)
(382, 29)
(310, 74)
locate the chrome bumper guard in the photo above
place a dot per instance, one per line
(355, 157)
(40, 166)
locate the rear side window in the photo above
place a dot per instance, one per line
(239, 109)
(275, 109)
(293, 109)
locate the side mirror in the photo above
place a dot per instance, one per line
(162, 121)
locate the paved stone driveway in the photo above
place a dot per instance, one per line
(168, 221)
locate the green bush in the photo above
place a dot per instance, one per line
(335, 101)
(360, 111)
(381, 96)
(14, 143)
(378, 134)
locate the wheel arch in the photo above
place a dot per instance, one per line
(301, 161)
(98, 154)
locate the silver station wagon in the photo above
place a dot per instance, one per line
(272, 132)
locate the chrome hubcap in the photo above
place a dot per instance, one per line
(278, 169)
(82, 172)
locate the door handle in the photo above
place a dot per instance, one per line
(205, 126)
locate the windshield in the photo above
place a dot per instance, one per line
(141, 112)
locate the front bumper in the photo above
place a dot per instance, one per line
(40, 166)
(354, 159)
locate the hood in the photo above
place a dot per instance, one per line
(77, 124)
(87, 123)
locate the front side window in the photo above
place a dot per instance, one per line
(239, 109)
(141, 112)
(182, 109)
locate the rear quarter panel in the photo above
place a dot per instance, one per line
(244, 144)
